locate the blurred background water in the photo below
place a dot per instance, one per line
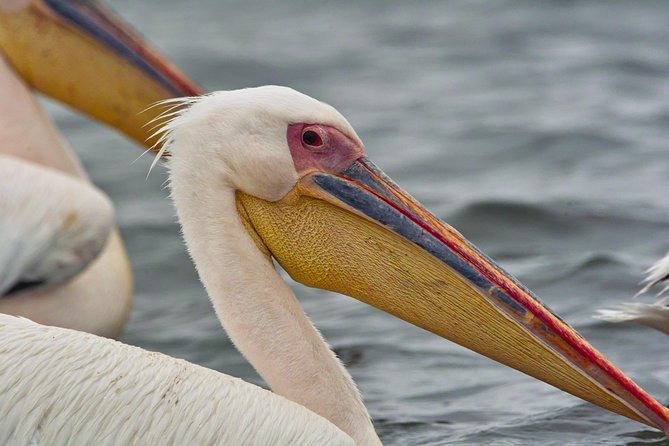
(539, 129)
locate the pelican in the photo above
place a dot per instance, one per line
(269, 174)
(62, 261)
(655, 315)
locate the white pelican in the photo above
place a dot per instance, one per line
(269, 173)
(53, 222)
(655, 315)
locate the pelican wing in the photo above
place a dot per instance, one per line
(60, 386)
(52, 227)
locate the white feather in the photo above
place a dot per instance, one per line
(63, 387)
(53, 224)
(655, 315)
(59, 386)
(236, 141)
(656, 274)
(45, 181)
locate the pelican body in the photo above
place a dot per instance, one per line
(83, 55)
(78, 389)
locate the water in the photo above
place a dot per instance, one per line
(537, 128)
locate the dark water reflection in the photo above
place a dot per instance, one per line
(538, 128)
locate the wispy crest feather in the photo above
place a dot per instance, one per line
(164, 123)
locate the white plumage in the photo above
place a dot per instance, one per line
(655, 315)
(53, 225)
(657, 274)
(60, 386)
(233, 141)
(66, 387)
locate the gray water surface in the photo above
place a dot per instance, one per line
(539, 129)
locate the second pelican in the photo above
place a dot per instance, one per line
(62, 262)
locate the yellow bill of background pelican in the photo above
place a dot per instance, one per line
(82, 54)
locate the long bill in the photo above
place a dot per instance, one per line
(360, 234)
(82, 54)
(354, 232)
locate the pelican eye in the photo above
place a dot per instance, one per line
(311, 138)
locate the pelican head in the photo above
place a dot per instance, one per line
(81, 53)
(309, 197)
